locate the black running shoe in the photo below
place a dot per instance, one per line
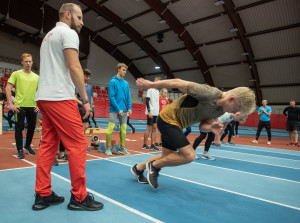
(139, 175)
(157, 145)
(55, 163)
(63, 158)
(88, 204)
(153, 147)
(133, 130)
(152, 174)
(20, 154)
(30, 150)
(44, 202)
(146, 147)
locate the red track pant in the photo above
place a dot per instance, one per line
(61, 121)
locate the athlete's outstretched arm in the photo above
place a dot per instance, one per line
(170, 83)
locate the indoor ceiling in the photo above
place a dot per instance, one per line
(225, 43)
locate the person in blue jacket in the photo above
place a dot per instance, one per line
(119, 106)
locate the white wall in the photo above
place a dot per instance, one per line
(103, 67)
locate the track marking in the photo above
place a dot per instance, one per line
(276, 178)
(222, 189)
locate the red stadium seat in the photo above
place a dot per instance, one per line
(140, 93)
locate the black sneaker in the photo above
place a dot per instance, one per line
(153, 147)
(30, 150)
(157, 145)
(152, 174)
(146, 147)
(20, 154)
(88, 204)
(63, 158)
(133, 130)
(55, 163)
(44, 202)
(139, 175)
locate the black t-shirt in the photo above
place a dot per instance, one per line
(293, 114)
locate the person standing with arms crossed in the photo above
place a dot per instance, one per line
(119, 102)
(292, 124)
(26, 83)
(60, 73)
(265, 113)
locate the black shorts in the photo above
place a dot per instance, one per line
(152, 120)
(172, 136)
(83, 114)
(292, 126)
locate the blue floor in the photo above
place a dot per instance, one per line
(244, 184)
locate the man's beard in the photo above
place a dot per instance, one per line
(73, 25)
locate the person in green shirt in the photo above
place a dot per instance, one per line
(26, 83)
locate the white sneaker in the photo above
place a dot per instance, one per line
(196, 157)
(269, 142)
(207, 157)
(255, 141)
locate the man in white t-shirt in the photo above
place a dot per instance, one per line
(60, 73)
(152, 111)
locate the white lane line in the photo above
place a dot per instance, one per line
(258, 155)
(25, 160)
(222, 189)
(19, 168)
(114, 202)
(276, 178)
(104, 197)
(258, 150)
(250, 161)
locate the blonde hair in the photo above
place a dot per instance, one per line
(24, 55)
(264, 100)
(162, 90)
(121, 65)
(66, 7)
(245, 98)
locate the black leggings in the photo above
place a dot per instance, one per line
(267, 125)
(230, 130)
(93, 118)
(30, 115)
(129, 123)
(209, 140)
(8, 118)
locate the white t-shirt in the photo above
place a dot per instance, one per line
(55, 83)
(153, 94)
(226, 117)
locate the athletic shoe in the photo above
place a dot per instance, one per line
(96, 126)
(157, 145)
(222, 142)
(255, 141)
(44, 202)
(10, 129)
(291, 144)
(152, 174)
(63, 158)
(114, 151)
(20, 154)
(231, 143)
(153, 147)
(30, 150)
(296, 144)
(196, 157)
(133, 130)
(207, 157)
(88, 204)
(108, 152)
(124, 151)
(146, 147)
(139, 175)
(269, 142)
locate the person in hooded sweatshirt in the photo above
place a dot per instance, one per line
(119, 107)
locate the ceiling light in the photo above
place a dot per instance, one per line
(21, 33)
(141, 50)
(218, 3)
(244, 54)
(157, 67)
(252, 80)
(179, 41)
(233, 30)
(161, 21)
(194, 61)
(123, 35)
(98, 17)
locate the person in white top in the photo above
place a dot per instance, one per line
(152, 112)
(60, 73)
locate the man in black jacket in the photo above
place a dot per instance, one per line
(292, 124)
